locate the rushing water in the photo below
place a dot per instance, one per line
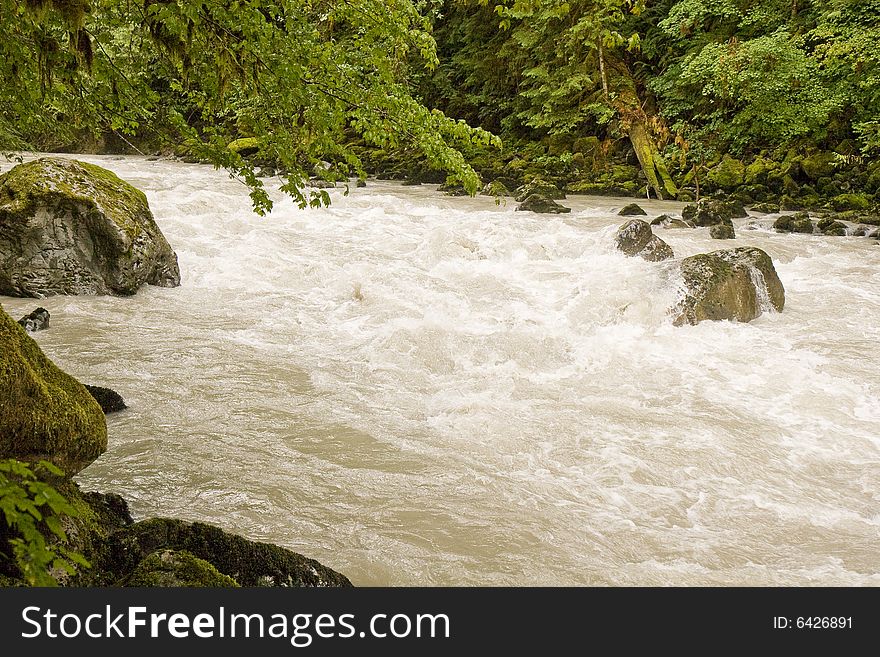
(417, 389)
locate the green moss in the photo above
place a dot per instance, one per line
(244, 146)
(44, 412)
(820, 165)
(850, 202)
(249, 563)
(729, 174)
(758, 171)
(71, 184)
(178, 568)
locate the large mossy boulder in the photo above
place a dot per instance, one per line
(733, 284)
(728, 174)
(44, 412)
(247, 562)
(68, 227)
(635, 238)
(820, 165)
(177, 568)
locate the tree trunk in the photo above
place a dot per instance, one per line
(635, 121)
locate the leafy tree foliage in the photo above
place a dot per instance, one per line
(303, 76)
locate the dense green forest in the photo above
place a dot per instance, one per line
(764, 98)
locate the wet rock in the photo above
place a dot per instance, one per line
(36, 320)
(733, 284)
(635, 238)
(708, 212)
(722, 232)
(799, 222)
(632, 210)
(67, 227)
(539, 187)
(247, 562)
(360, 183)
(317, 183)
(44, 412)
(542, 204)
(177, 568)
(831, 227)
(110, 401)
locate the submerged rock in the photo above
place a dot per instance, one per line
(733, 284)
(109, 400)
(68, 227)
(666, 221)
(36, 320)
(635, 237)
(44, 412)
(542, 204)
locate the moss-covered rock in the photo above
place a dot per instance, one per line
(246, 146)
(177, 568)
(759, 170)
(542, 205)
(820, 164)
(850, 202)
(708, 212)
(495, 188)
(68, 227)
(44, 412)
(831, 226)
(247, 562)
(635, 238)
(733, 284)
(722, 232)
(728, 174)
(540, 187)
(799, 222)
(632, 210)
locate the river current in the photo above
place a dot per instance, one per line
(417, 389)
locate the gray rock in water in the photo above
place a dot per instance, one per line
(360, 183)
(37, 320)
(831, 227)
(635, 237)
(728, 285)
(542, 204)
(109, 400)
(317, 183)
(67, 227)
(722, 232)
(632, 210)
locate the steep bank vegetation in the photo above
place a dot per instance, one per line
(672, 98)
